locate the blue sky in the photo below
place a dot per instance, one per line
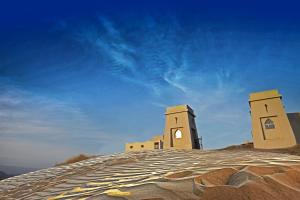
(87, 77)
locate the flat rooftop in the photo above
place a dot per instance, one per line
(178, 109)
(268, 94)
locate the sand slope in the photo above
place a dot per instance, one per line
(251, 182)
(157, 175)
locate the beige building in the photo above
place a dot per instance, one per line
(180, 132)
(272, 127)
(180, 129)
(155, 143)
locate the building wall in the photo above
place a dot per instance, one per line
(144, 146)
(180, 118)
(270, 125)
(194, 132)
(294, 119)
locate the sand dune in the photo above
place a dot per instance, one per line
(164, 175)
(246, 183)
(251, 182)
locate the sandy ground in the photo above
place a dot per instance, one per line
(165, 174)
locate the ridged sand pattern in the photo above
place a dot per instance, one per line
(119, 175)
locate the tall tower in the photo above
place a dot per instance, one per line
(180, 129)
(270, 124)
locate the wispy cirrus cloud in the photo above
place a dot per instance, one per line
(164, 56)
(169, 60)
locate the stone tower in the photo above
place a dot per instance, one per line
(180, 129)
(270, 123)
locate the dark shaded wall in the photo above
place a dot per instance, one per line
(294, 119)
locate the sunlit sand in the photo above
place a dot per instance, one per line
(164, 174)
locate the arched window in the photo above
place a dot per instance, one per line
(269, 124)
(178, 134)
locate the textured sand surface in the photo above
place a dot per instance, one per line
(165, 174)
